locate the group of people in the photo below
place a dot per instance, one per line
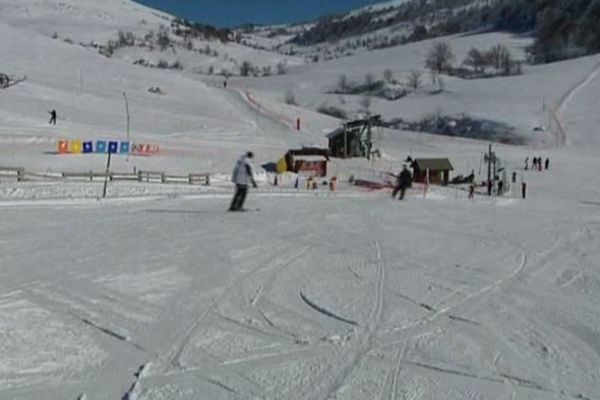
(499, 188)
(537, 163)
(243, 177)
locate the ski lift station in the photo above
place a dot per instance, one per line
(353, 138)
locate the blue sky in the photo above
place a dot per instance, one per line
(228, 13)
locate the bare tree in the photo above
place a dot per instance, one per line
(476, 59)
(281, 68)
(434, 77)
(441, 84)
(507, 63)
(496, 54)
(246, 68)
(365, 103)
(414, 79)
(290, 97)
(388, 75)
(163, 40)
(370, 82)
(343, 83)
(440, 57)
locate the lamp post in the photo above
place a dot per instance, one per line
(127, 113)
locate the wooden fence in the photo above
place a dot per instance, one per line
(141, 176)
(13, 172)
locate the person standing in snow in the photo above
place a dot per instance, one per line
(472, 190)
(547, 164)
(243, 175)
(52, 117)
(539, 163)
(403, 182)
(526, 163)
(500, 187)
(524, 190)
(534, 163)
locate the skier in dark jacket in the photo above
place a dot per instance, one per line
(243, 175)
(404, 181)
(547, 164)
(52, 117)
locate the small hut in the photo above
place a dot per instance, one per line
(439, 170)
(310, 160)
(353, 138)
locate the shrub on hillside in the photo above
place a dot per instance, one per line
(332, 111)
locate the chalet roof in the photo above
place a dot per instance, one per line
(335, 133)
(433, 164)
(306, 152)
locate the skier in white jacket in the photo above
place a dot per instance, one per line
(243, 175)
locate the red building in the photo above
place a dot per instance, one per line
(312, 161)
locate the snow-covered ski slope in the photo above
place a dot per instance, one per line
(158, 293)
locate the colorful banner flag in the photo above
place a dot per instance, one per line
(101, 146)
(88, 147)
(113, 147)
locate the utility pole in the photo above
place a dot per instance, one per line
(490, 158)
(127, 113)
(107, 173)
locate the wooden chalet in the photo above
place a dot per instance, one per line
(439, 170)
(308, 160)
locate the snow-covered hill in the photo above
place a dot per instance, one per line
(82, 20)
(87, 89)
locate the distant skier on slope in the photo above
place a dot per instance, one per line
(52, 117)
(243, 175)
(403, 182)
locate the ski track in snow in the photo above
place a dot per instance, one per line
(174, 360)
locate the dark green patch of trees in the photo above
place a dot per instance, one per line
(562, 28)
(187, 29)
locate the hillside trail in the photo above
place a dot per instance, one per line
(561, 108)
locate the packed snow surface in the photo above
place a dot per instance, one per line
(156, 292)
